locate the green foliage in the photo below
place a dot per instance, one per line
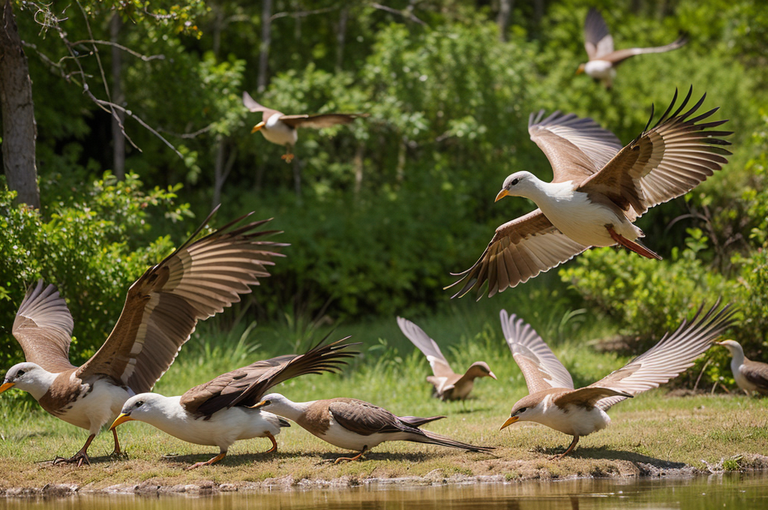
(92, 248)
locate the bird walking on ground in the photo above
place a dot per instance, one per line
(220, 412)
(598, 191)
(555, 403)
(197, 281)
(749, 375)
(356, 425)
(603, 60)
(281, 129)
(447, 384)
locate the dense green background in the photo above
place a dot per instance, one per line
(448, 104)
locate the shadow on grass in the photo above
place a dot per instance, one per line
(604, 453)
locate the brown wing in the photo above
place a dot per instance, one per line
(756, 373)
(539, 365)
(320, 121)
(588, 396)
(43, 326)
(161, 310)
(664, 162)
(428, 347)
(668, 358)
(597, 39)
(575, 147)
(364, 418)
(616, 57)
(520, 249)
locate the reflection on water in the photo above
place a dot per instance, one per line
(726, 491)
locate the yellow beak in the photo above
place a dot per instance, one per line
(258, 126)
(7, 386)
(503, 193)
(121, 419)
(260, 404)
(580, 69)
(510, 421)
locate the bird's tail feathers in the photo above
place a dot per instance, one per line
(432, 438)
(415, 421)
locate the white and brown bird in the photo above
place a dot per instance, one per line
(555, 403)
(603, 60)
(749, 375)
(281, 129)
(195, 282)
(448, 385)
(598, 191)
(220, 412)
(356, 425)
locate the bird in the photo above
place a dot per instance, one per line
(198, 280)
(220, 412)
(281, 129)
(447, 384)
(603, 60)
(552, 399)
(357, 425)
(597, 192)
(749, 375)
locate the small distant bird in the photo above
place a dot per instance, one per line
(602, 58)
(598, 191)
(555, 403)
(448, 385)
(219, 412)
(281, 129)
(195, 282)
(356, 425)
(749, 375)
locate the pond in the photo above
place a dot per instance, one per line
(717, 491)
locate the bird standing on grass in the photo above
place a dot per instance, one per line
(555, 403)
(220, 412)
(447, 384)
(598, 191)
(195, 282)
(356, 425)
(749, 375)
(603, 60)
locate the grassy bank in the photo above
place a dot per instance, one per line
(653, 428)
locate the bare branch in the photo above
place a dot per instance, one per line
(145, 58)
(301, 14)
(193, 134)
(406, 13)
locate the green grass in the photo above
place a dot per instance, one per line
(651, 428)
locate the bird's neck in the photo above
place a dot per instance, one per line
(39, 385)
(549, 193)
(288, 409)
(737, 358)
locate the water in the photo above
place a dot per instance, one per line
(721, 491)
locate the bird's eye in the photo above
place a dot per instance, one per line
(515, 181)
(139, 403)
(267, 402)
(19, 373)
(521, 410)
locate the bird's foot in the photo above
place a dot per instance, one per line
(287, 157)
(274, 443)
(349, 459)
(208, 462)
(79, 458)
(118, 454)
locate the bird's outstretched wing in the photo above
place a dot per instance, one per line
(320, 121)
(43, 327)
(597, 39)
(618, 56)
(195, 282)
(427, 346)
(251, 103)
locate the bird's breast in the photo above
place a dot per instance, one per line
(599, 69)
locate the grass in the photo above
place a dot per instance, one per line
(652, 428)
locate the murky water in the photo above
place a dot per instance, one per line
(726, 491)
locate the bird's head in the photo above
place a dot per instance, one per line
(480, 369)
(142, 407)
(580, 69)
(258, 126)
(526, 409)
(518, 184)
(733, 347)
(29, 377)
(272, 402)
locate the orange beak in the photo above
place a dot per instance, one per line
(7, 386)
(580, 69)
(510, 421)
(503, 193)
(121, 419)
(258, 126)
(260, 404)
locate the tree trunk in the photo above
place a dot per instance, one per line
(222, 168)
(118, 97)
(19, 128)
(266, 34)
(357, 162)
(341, 35)
(505, 10)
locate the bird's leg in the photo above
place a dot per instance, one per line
(117, 452)
(288, 156)
(634, 246)
(79, 457)
(274, 443)
(569, 450)
(208, 462)
(350, 459)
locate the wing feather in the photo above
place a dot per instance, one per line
(427, 346)
(320, 121)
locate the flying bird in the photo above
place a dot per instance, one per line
(603, 60)
(220, 412)
(195, 282)
(749, 375)
(554, 402)
(598, 190)
(447, 384)
(281, 129)
(356, 425)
